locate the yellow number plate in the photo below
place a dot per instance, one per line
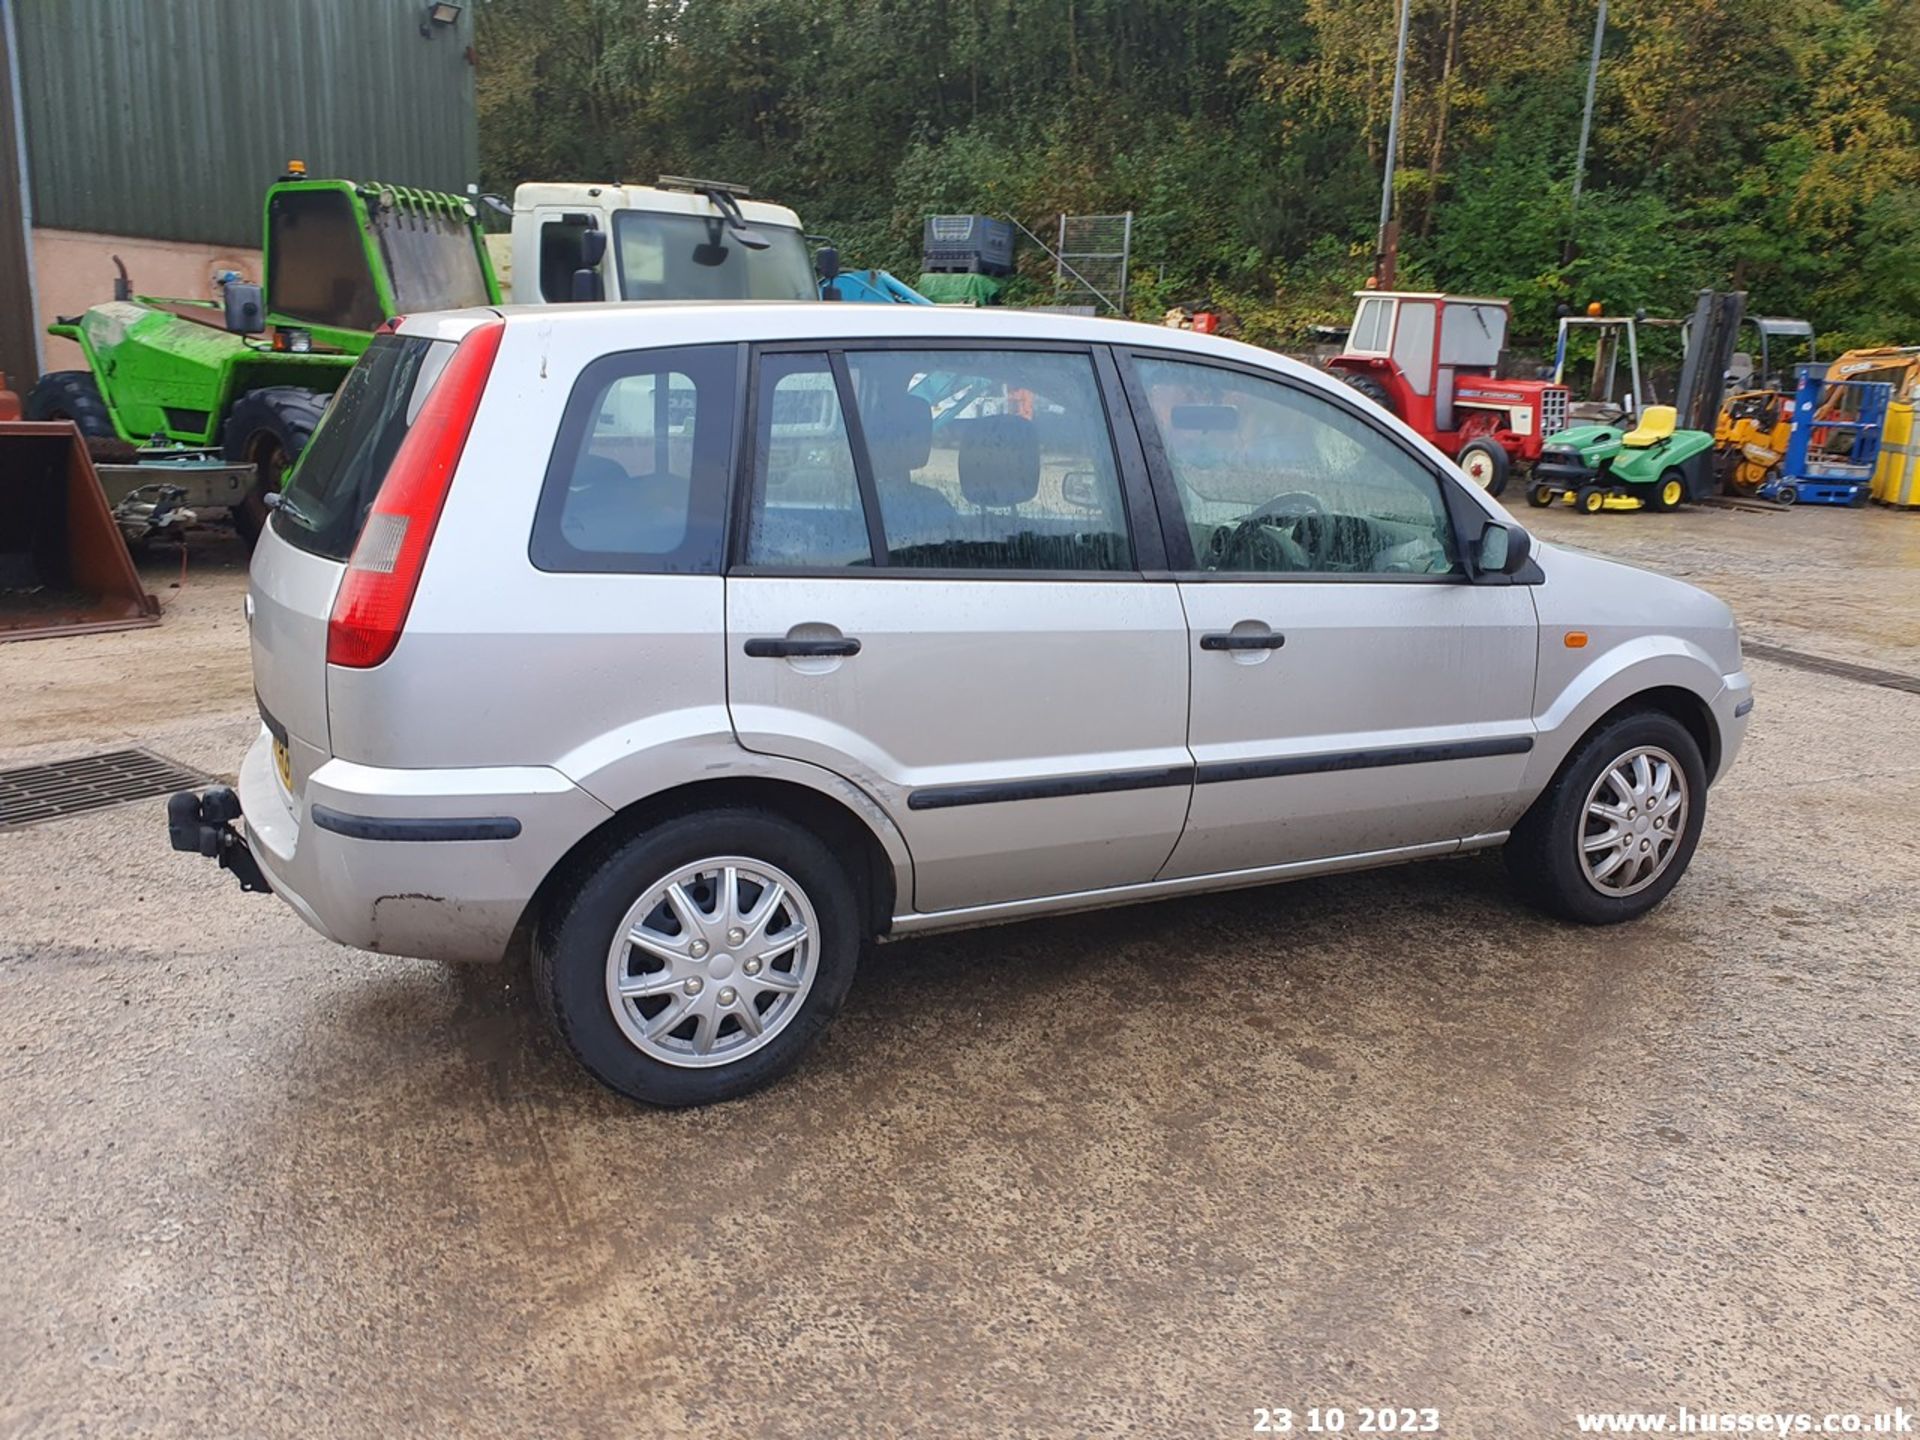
(283, 764)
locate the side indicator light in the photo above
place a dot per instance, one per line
(1574, 639)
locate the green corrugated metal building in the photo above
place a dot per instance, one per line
(165, 120)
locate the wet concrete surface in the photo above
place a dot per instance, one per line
(1382, 1139)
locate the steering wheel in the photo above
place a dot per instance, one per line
(1249, 543)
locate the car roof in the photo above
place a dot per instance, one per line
(644, 324)
(612, 326)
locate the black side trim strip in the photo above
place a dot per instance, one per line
(943, 797)
(376, 827)
(1224, 770)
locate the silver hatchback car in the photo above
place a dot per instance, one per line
(703, 644)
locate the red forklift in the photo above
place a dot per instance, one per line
(1432, 361)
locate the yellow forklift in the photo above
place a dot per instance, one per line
(1755, 422)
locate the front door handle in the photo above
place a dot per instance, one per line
(1223, 640)
(782, 648)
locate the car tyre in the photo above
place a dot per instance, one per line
(575, 960)
(1553, 849)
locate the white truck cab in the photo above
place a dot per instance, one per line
(678, 239)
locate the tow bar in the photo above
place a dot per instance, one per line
(203, 825)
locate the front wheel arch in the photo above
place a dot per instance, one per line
(1682, 704)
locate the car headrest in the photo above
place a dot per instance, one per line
(999, 460)
(591, 471)
(899, 430)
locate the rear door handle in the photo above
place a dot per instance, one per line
(781, 648)
(1222, 640)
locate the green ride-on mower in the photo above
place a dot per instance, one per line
(1653, 463)
(250, 375)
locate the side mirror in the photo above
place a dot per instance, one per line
(826, 262)
(246, 312)
(586, 286)
(1504, 549)
(1081, 489)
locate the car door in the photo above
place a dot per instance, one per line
(1354, 691)
(936, 594)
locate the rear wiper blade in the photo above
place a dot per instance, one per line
(300, 517)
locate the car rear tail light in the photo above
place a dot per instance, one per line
(384, 571)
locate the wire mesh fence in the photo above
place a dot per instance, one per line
(1092, 259)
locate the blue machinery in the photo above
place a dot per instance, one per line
(873, 286)
(1834, 443)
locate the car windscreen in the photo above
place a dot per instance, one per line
(341, 470)
(432, 260)
(695, 257)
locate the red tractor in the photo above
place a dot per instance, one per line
(1431, 360)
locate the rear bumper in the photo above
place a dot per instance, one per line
(435, 863)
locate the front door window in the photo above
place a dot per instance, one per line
(1273, 479)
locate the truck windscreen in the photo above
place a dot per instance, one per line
(694, 257)
(431, 259)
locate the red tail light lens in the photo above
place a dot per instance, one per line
(384, 571)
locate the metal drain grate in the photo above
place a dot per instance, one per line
(33, 793)
(1821, 665)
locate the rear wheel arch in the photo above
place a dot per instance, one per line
(870, 867)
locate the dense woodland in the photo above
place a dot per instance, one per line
(1768, 144)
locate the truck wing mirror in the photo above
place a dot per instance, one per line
(246, 314)
(826, 262)
(593, 248)
(586, 286)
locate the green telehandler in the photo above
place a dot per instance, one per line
(250, 374)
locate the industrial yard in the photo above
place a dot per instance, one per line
(1434, 1151)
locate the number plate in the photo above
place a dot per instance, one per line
(283, 765)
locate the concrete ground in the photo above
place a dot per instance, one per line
(1386, 1139)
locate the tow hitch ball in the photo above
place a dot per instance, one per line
(203, 825)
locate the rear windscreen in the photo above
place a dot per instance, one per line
(340, 472)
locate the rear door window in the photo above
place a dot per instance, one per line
(638, 479)
(341, 470)
(960, 460)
